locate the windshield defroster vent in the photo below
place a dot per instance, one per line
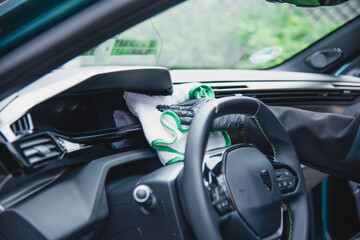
(40, 148)
(23, 125)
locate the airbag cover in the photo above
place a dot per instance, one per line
(252, 182)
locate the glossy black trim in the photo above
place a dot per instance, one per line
(103, 136)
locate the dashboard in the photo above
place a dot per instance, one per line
(71, 110)
(60, 131)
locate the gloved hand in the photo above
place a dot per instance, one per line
(186, 112)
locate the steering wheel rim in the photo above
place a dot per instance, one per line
(199, 211)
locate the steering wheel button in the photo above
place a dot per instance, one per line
(214, 194)
(278, 173)
(224, 203)
(286, 173)
(219, 208)
(284, 184)
(287, 184)
(221, 191)
(222, 206)
(292, 182)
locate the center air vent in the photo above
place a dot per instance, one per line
(40, 148)
(23, 125)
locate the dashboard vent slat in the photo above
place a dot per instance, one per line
(34, 142)
(40, 148)
(23, 125)
(37, 159)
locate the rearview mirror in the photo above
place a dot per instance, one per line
(310, 3)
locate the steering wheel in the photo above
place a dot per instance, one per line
(250, 194)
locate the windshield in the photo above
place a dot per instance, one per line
(236, 34)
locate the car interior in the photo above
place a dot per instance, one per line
(68, 171)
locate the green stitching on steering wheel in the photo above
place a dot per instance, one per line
(290, 221)
(266, 137)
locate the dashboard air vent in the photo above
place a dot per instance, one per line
(331, 96)
(23, 125)
(40, 148)
(337, 95)
(227, 88)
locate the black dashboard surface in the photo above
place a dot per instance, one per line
(78, 113)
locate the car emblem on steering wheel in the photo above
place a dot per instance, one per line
(265, 176)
